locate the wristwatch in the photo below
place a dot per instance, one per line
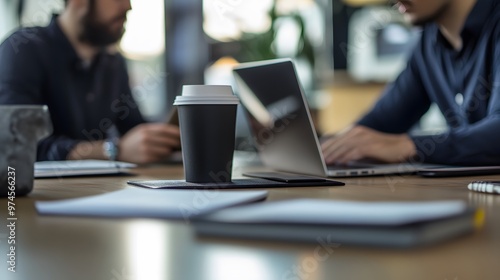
(110, 149)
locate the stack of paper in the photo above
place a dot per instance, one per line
(134, 202)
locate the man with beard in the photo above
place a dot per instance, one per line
(455, 65)
(73, 67)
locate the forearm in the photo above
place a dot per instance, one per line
(473, 145)
(55, 148)
(64, 148)
(87, 150)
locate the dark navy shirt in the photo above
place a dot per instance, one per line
(438, 73)
(39, 66)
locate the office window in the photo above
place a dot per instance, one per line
(8, 17)
(231, 20)
(267, 29)
(143, 44)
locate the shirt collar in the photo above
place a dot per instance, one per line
(477, 18)
(63, 44)
(65, 47)
(473, 26)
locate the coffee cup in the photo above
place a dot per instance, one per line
(207, 119)
(21, 127)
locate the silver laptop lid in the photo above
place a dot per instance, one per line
(279, 117)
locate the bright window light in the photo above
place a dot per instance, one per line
(145, 30)
(226, 20)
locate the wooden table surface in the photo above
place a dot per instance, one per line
(53, 248)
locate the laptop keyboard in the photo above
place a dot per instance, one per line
(349, 167)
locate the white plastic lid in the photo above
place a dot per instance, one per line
(206, 94)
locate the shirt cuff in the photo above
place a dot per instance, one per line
(55, 148)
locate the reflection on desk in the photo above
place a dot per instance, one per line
(60, 248)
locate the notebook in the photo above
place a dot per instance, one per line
(68, 168)
(281, 125)
(391, 224)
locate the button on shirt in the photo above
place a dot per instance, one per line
(465, 85)
(85, 99)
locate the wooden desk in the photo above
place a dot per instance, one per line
(64, 248)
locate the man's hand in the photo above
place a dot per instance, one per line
(147, 143)
(360, 142)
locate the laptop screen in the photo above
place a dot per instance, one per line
(278, 116)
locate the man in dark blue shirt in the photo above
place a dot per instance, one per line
(457, 66)
(72, 66)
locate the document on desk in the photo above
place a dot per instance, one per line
(149, 203)
(393, 224)
(65, 168)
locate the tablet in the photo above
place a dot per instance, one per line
(459, 171)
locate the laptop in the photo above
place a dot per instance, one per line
(281, 125)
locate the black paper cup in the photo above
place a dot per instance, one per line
(207, 123)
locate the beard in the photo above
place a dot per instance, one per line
(98, 33)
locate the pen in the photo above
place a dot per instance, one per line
(485, 186)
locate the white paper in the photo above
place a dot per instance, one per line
(311, 211)
(136, 202)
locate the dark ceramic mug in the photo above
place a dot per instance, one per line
(21, 127)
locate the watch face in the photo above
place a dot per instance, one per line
(110, 150)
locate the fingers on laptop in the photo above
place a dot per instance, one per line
(361, 142)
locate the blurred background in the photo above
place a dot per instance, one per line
(345, 51)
